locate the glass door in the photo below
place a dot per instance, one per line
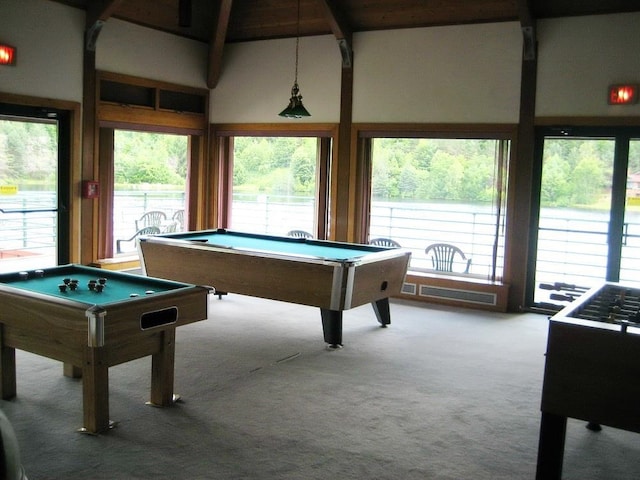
(630, 245)
(588, 225)
(30, 203)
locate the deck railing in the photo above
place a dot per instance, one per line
(569, 248)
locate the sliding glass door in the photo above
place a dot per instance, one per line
(33, 210)
(588, 223)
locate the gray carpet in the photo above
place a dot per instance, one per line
(443, 393)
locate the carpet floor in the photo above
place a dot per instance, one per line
(443, 394)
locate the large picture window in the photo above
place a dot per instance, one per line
(150, 186)
(452, 191)
(274, 185)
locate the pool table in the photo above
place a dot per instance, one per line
(56, 313)
(333, 276)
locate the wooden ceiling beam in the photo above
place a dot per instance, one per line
(216, 45)
(98, 12)
(341, 30)
(528, 26)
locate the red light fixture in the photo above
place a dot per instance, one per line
(623, 94)
(7, 55)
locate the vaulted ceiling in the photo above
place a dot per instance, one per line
(246, 20)
(218, 22)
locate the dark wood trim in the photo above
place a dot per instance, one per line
(98, 12)
(521, 189)
(343, 173)
(89, 244)
(276, 129)
(588, 121)
(106, 177)
(341, 29)
(216, 45)
(363, 210)
(197, 204)
(76, 205)
(322, 186)
(436, 130)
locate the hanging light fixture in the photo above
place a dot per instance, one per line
(295, 109)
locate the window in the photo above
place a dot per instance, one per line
(150, 175)
(272, 179)
(34, 176)
(588, 213)
(274, 184)
(442, 190)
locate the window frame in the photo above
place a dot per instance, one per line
(222, 165)
(366, 133)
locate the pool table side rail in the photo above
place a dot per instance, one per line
(36, 326)
(62, 329)
(316, 282)
(370, 253)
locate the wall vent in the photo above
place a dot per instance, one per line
(409, 288)
(467, 296)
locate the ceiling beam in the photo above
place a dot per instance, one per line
(341, 30)
(216, 45)
(528, 26)
(98, 12)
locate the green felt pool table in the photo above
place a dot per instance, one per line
(90, 330)
(333, 276)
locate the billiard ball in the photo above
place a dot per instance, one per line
(63, 287)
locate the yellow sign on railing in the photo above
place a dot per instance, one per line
(635, 201)
(8, 189)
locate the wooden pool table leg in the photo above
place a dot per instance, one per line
(381, 307)
(553, 429)
(95, 391)
(7, 369)
(162, 371)
(332, 327)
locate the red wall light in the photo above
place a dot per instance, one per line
(623, 94)
(7, 55)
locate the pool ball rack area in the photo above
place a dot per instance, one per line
(91, 330)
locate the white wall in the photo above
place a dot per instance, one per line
(49, 41)
(142, 52)
(580, 57)
(256, 80)
(440, 74)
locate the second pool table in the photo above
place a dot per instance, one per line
(90, 329)
(333, 276)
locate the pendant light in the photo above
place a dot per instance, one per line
(295, 109)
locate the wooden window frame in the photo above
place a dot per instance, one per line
(222, 164)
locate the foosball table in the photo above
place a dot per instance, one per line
(592, 369)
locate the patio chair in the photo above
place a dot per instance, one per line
(153, 218)
(384, 242)
(142, 231)
(444, 256)
(178, 218)
(299, 234)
